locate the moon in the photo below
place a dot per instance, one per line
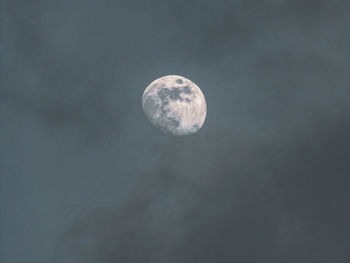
(175, 105)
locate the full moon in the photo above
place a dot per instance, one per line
(175, 105)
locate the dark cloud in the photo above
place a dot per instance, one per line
(224, 197)
(86, 178)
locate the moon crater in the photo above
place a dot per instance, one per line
(175, 105)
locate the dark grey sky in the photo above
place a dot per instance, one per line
(86, 178)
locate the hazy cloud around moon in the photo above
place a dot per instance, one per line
(85, 177)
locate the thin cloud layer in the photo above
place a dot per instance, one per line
(86, 178)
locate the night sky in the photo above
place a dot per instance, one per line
(86, 178)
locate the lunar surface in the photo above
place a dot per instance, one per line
(175, 105)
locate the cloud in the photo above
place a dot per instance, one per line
(264, 180)
(224, 197)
